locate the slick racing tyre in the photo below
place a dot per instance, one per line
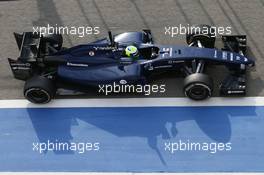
(198, 86)
(204, 33)
(39, 90)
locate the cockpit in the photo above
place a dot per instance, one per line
(141, 53)
(149, 53)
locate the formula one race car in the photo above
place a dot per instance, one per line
(129, 57)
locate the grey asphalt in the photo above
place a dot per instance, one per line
(244, 16)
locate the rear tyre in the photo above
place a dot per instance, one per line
(198, 86)
(39, 90)
(204, 33)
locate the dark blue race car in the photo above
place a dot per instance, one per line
(130, 57)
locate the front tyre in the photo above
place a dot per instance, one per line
(198, 86)
(39, 90)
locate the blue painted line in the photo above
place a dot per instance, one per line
(133, 138)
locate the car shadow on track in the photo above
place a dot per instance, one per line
(55, 124)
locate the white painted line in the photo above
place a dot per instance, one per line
(135, 102)
(81, 173)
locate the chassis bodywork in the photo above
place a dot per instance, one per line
(104, 62)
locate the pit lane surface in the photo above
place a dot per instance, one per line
(245, 17)
(133, 135)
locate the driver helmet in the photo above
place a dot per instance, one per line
(132, 51)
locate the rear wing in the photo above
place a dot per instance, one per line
(28, 44)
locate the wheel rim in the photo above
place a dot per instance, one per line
(37, 95)
(198, 91)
